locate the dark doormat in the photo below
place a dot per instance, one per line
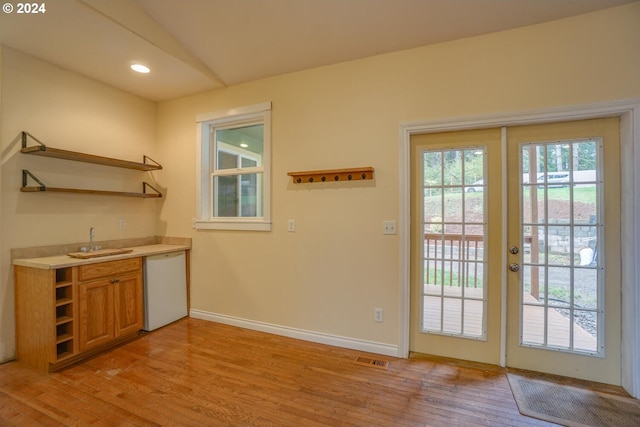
(571, 406)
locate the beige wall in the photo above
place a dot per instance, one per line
(7, 345)
(337, 267)
(67, 111)
(330, 274)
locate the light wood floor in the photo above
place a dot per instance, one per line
(198, 373)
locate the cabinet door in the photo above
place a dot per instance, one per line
(96, 313)
(128, 304)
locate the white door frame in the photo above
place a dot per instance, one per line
(629, 112)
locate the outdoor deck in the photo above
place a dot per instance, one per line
(558, 325)
(456, 261)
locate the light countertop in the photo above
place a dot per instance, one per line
(62, 261)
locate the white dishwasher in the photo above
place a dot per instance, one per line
(165, 289)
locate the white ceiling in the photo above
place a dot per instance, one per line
(197, 45)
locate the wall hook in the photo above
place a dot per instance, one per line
(351, 174)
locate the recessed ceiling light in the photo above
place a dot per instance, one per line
(139, 68)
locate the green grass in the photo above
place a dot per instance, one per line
(580, 194)
(435, 277)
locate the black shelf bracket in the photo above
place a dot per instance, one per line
(25, 141)
(153, 162)
(25, 180)
(144, 188)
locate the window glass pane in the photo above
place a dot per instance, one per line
(227, 160)
(585, 330)
(432, 312)
(433, 210)
(473, 317)
(585, 205)
(557, 162)
(452, 320)
(533, 204)
(473, 254)
(249, 199)
(560, 276)
(559, 286)
(453, 205)
(559, 205)
(585, 242)
(453, 228)
(533, 285)
(243, 139)
(431, 277)
(584, 161)
(433, 246)
(558, 328)
(225, 193)
(432, 168)
(473, 166)
(452, 286)
(558, 245)
(453, 167)
(534, 248)
(586, 288)
(533, 325)
(248, 163)
(473, 207)
(454, 216)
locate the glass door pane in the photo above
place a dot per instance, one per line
(561, 300)
(453, 224)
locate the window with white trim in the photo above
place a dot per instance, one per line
(233, 169)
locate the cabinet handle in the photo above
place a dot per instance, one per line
(115, 280)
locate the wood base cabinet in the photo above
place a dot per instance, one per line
(67, 314)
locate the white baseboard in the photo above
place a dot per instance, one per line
(301, 334)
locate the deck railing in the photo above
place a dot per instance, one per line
(454, 259)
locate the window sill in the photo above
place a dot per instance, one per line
(241, 225)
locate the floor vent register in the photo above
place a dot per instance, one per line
(374, 363)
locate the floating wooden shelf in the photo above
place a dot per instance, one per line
(332, 175)
(42, 150)
(41, 187)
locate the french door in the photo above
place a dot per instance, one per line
(455, 242)
(521, 266)
(565, 293)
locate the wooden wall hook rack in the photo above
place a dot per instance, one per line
(329, 175)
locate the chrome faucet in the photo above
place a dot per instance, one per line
(92, 233)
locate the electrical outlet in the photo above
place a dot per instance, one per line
(389, 227)
(122, 224)
(291, 227)
(378, 315)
